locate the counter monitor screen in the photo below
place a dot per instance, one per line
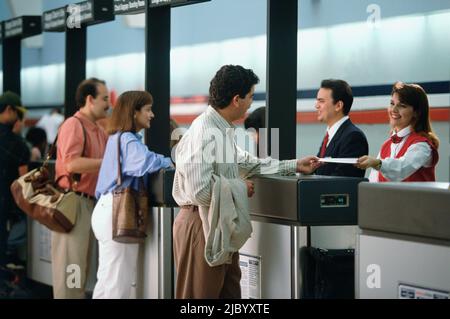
(334, 200)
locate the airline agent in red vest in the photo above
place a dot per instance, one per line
(410, 154)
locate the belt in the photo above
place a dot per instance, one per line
(85, 196)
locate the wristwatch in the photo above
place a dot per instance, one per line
(378, 165)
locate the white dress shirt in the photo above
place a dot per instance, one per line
(397, 169)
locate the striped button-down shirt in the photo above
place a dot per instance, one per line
(208, 148)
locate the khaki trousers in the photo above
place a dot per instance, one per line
(71, 255)
(195, 278)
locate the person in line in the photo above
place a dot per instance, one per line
(411, 152)
(14, 158)
(255, 122)
(20, 123)
(37, 138)
(51, 123)
(198, 163)
(118, 261)
(80, 148)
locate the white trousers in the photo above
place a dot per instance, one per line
(116, 273)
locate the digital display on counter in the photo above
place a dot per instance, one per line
(334, 200)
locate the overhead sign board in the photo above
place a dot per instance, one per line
(80, 14)
(21, 27)
(173, 3)
(138, 6)
(129, 6)
(54, 20)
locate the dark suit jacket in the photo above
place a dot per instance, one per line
(349, 141)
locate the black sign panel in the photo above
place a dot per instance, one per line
(91, 12)
(172, 3)
(22, 27)
(129, 6)
(54, 20)
(138, 6)
(80, 14)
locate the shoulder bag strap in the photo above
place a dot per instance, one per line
(119, 167)
(77, 176)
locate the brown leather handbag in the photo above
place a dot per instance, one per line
(130, 210)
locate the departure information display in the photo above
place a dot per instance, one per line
(22, 27)
(75, 15)
(129, 6)
(173, 3)
(55, 20)
(138, 6)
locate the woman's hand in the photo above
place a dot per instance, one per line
(367, 161)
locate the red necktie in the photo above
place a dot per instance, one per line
(324, 145)
(396, 139)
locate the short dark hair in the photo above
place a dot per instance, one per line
(229, 81)
(256, 119)
(340, 91)
(36, 136)
(122, 118)
(86, 88)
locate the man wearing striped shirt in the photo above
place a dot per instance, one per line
(208, 148)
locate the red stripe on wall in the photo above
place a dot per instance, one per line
(437, 114)
(357, 117)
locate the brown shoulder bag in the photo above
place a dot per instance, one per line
(130, 209)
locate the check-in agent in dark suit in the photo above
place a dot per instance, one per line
(342, 139)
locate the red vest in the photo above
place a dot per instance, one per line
(423, 174)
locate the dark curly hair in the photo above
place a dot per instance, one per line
(229, 81)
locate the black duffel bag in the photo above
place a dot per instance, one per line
(327, 273)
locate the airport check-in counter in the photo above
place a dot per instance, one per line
(155, 266)
(403, 250)
(282, 210)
